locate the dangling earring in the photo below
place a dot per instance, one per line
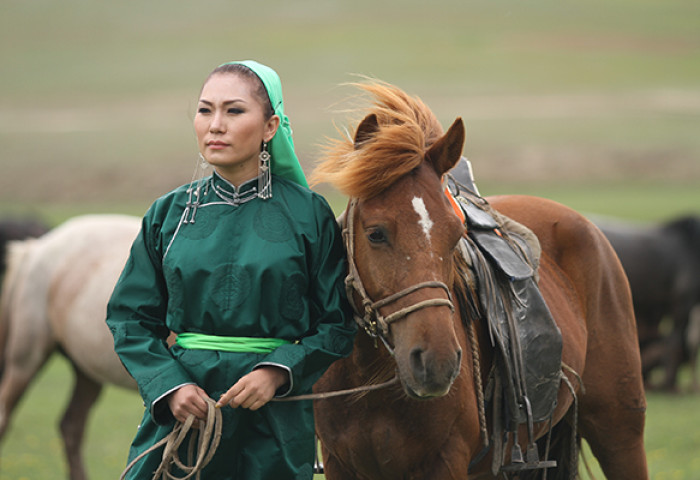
(195, 189)
(264, 178)
(203, 166)
(199, 168)
(203, 162)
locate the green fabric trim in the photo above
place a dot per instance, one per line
(200, 341)
(284, 161)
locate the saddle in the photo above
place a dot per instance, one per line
(524, 383)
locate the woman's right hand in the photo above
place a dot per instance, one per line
(188, 400)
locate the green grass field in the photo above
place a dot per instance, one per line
(595, 104)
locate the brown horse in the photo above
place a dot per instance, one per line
(402, 237)
(54, 298)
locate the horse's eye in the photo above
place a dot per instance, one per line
(376, 235)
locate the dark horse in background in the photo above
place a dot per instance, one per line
(403, 236)
(17, 228)
(662, 262)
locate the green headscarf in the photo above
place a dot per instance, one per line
(284, 160)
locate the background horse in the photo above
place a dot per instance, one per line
(662, 263)
(55, 296)
(403, 240)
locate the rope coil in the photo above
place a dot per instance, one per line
(207, 437)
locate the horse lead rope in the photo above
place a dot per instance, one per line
(338, 393)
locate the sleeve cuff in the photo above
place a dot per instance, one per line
(160, 411)
(285, 389)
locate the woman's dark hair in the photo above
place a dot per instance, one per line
(260, 90)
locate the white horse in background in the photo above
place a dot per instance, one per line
(55, 295)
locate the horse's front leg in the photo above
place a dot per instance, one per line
(333, 469)
(452, 463)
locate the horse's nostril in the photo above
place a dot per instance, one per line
(422, 367)
(418, 362)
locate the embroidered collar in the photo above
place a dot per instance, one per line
(231, 194)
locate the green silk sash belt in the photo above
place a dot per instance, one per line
(201, 341)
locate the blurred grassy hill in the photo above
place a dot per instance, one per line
(97, 98)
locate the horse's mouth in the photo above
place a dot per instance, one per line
(424, 392)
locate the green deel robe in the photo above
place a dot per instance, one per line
(246, 267)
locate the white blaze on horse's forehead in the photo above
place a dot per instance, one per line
(424, 217)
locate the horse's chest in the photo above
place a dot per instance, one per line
(393, 442)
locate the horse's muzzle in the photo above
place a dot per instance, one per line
(428, 376)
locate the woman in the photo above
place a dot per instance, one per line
(246, 266)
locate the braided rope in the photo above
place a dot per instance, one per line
(476, 361)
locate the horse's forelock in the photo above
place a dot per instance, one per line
(406, 128)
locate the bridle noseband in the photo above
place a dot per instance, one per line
(374, 323)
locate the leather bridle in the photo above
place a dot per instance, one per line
(368, 316)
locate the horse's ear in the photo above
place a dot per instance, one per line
(445, 153)
(367, 129)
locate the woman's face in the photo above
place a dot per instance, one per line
(230, 125)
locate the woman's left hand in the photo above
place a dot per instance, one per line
(255, 389)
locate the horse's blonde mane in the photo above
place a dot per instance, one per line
(407, 128)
